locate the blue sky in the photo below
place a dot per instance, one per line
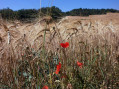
(64, 5)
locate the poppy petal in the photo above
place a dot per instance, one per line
(64, 45)
(45, 87)
(58, 68)
(79, 64)
(56, 72)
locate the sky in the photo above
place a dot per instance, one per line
(64, 5)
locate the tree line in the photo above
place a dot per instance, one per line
(54, 12)
(87, 12)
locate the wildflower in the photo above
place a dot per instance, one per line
(79, 64)
(45, 87)
(65, 45)
(57, 81)
(58, 68)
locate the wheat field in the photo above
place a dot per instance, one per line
(30, 52)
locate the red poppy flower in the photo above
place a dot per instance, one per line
(58, 68)
(64, 45)
(79, 64)
(45, 87)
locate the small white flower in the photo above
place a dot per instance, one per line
(57, 81)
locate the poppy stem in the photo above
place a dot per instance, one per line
(65, 59)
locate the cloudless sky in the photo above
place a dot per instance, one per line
(64, 5)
